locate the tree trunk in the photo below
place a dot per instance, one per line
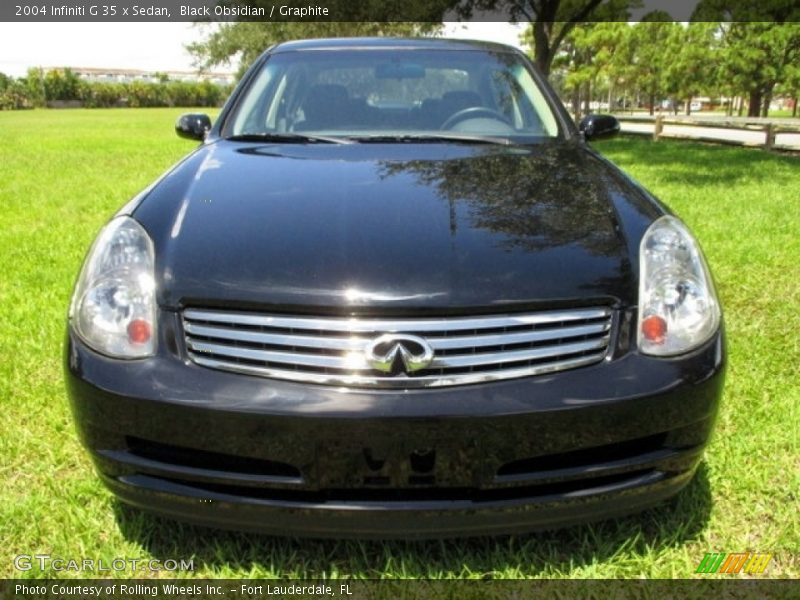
(754, 108)
(741, 106)
(765, 104)
(689, 106)
(541, 47)
(587, 99)
(576, 103)
(794, 106)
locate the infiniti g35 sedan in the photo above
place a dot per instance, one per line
(394, 293)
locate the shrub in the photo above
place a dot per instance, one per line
(63, 85)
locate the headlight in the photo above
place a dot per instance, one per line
(113, 307)
(678, 308)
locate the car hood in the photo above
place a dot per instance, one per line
(410, 226)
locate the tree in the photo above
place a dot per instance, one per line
(651, 57)
(791, 85)
(553, 20)
(760, 46)
(692, 51)
(245, 41)
(743, 11)
(757, 56)
(12, 93)
(34, 86)
(593, 55)
(570, 69)
(61, 84)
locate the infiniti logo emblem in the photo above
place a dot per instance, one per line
(398, 352)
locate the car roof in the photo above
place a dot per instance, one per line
(421, 43)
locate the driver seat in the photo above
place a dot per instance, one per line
(325, 107)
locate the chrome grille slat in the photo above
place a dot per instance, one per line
(494, 358)
(330, 350)
(306, 341)
(289, 358)
(395, 325)
(505, 339)
(403, 382)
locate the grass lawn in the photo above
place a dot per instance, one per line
(63, 173)
(782, 113)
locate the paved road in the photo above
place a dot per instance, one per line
(750, 137)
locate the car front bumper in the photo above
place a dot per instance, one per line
(242, 452)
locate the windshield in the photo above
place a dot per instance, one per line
(387, 93)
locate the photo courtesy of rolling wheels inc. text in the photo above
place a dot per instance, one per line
(422, 299)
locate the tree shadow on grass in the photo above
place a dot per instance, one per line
(700, 163)
(671, 524)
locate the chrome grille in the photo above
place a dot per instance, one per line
(332, 351)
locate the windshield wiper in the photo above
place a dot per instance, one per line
(288, 138)
(433, 138)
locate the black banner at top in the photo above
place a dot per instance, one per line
(395, 10)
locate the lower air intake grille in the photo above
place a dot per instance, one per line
(397, 353)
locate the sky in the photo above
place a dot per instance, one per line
(161, 46)
(145, 46)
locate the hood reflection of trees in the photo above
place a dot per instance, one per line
(539, 197)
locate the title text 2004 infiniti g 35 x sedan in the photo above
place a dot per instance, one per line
(394, 293)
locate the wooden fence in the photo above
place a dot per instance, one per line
(762, 133)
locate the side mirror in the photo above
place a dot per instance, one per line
(597, 127)
(193, 126)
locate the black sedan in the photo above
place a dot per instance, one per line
(394, 293)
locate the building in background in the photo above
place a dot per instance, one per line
(106, 75)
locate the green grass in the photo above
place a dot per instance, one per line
(775, 114)
(63, 173)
